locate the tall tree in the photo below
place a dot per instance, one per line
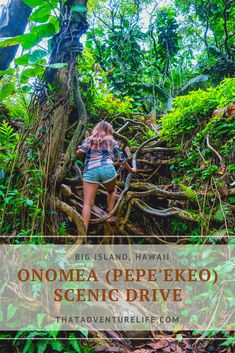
(57, 95)
(213, 23)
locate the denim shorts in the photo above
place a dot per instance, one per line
(102, 174)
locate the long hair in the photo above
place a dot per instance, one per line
(101, 136)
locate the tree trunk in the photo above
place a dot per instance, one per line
(12, 24)
(50, 108)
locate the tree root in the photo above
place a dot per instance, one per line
(151, 189)
(156, 162)
(222, 165)
(154, 149)
(77, 178)
(72, 215)
(79, 131)
(169, 212)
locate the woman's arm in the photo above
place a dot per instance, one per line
(121, 158)
(127, 166)
(82, 150)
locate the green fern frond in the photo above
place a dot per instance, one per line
(190, 193)
(74, 343)
(221, 213)
(6, 131)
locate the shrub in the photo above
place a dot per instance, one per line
(193, 111)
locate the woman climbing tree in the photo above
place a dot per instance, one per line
(100, 149)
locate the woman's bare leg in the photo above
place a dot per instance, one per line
(89, 192)
(111, 198)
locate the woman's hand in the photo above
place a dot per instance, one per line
(79, 153)
(129, 168)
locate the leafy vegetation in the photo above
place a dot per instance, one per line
(193, 113)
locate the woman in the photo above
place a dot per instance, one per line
(100, 149)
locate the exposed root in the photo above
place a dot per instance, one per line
(73, 215)
(150, 189)
(222, 165)
(169, 212)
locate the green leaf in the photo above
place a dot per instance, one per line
(79, 8)
(57, 346)
(36, 3)
(29, 202)
(26, 88)
(99, 31)
(41, 14)
(33, 3)
(7, 90)
(231, 199)
(54, 20)
(190, 193)
(75, 344)
(27, 347)
(9, 71)
(57, 65)
(36, 56)
(42, 346)
(27, 74)
(31, 349)
(229, 341)
(79, 161)
(5, 335)
(8, 42)
(221, 213)
(22, 60)
(27, 40)
(43, 31)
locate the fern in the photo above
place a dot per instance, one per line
(42, 346)
(29, 347)
(57, 346)
(221, 213)
(7, 133)
(190, 193)
(74, 343)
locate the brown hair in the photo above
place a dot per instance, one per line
(101, 136)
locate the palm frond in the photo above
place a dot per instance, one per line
(216, 51)
(194, 81)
